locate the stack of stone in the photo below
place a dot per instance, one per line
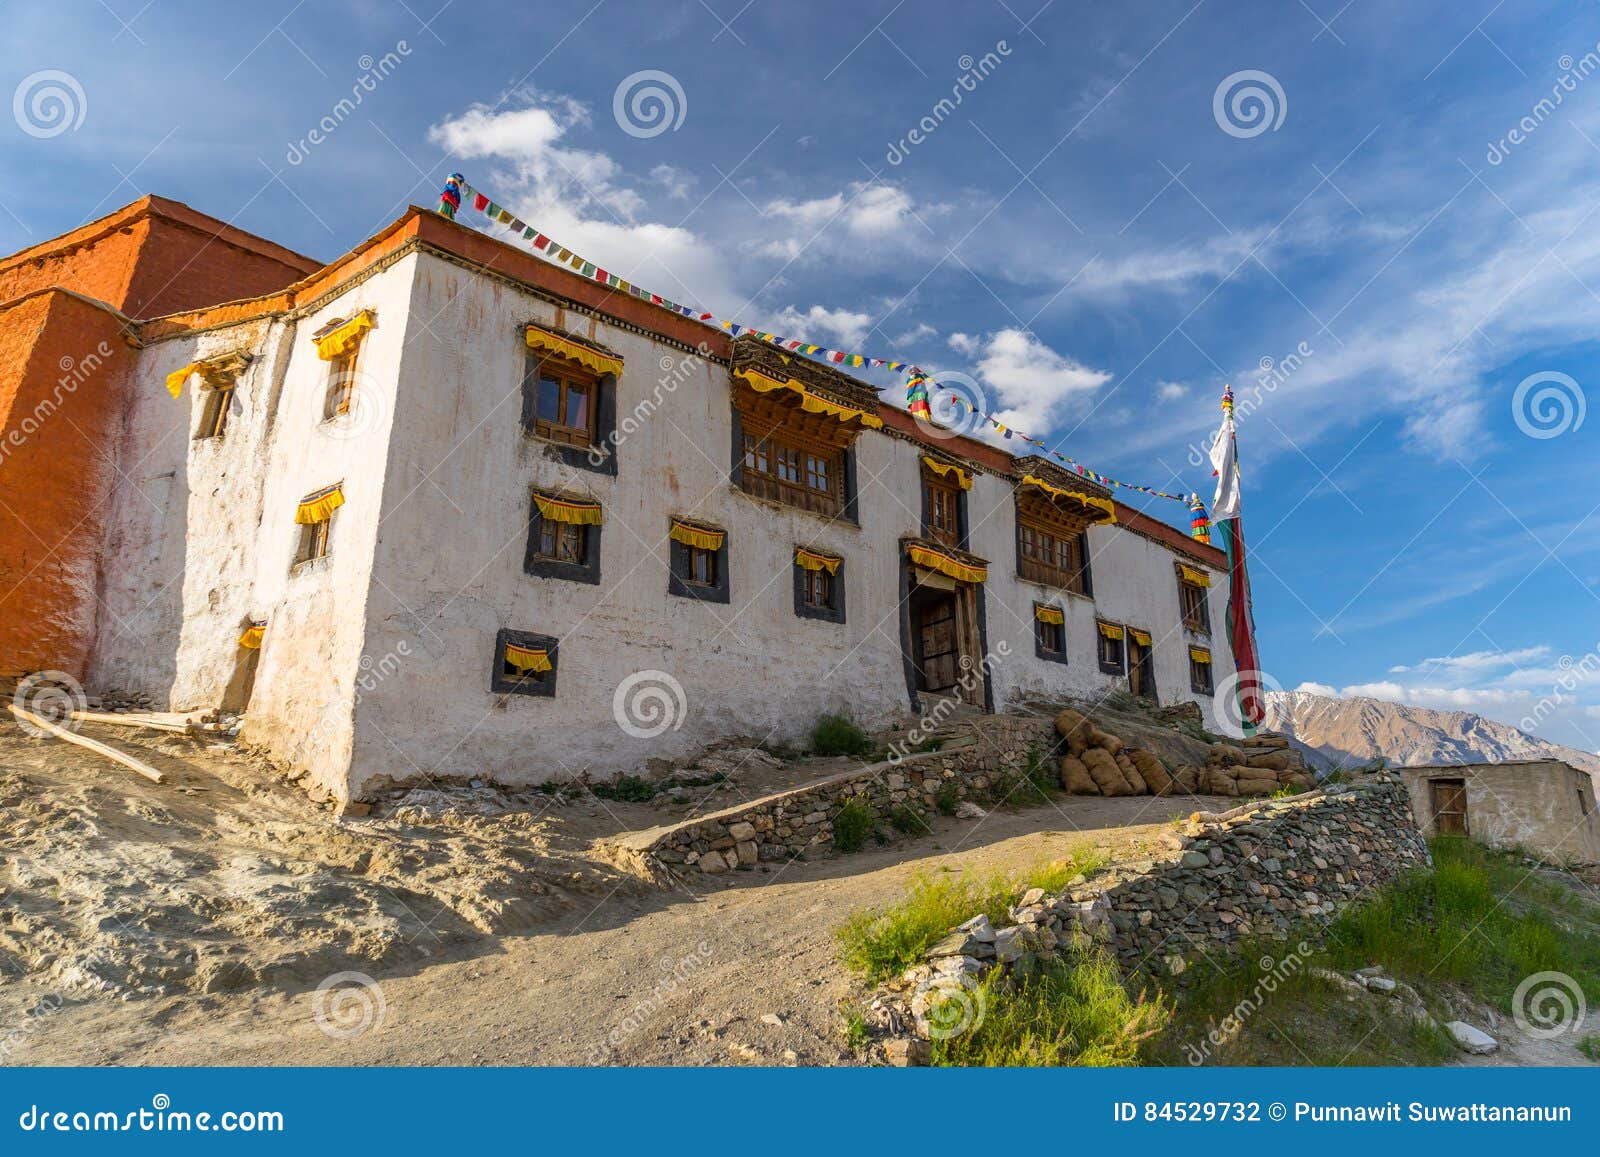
(1099, 763)
(1260, 765)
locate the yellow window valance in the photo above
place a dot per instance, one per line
(809, 402)
(811, 560)
(564, 347)
(938, 467)
(1200, 654)
(251, 639)
(1138, 636)
(1110, 631)
(319, 507)
(697, 537)
(1198, 578)
(527, 659)
(1107, 507)
(344, 338)
(1049, 614)
(176, 378)
(563, 510)
(945, 565)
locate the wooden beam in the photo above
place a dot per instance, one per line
(88, 744)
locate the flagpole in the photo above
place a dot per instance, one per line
(1225, 518)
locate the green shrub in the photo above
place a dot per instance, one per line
(907, 821)
(836, 735)
(1589, 1046)
(852, 824)
(946, 798)
(856, 1034)
(627, 789)
(1074, 1011)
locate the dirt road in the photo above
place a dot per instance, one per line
(274, 898)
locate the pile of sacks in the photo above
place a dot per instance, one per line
(1259, 765)
(1099, 763)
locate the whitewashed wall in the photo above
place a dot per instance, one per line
(449, 569)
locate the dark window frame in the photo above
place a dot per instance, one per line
(600, 454)
(1120, 667)
(1198, 685)
(543, 566)
(848, 504)
(1199, 623)
(341, 393)
(678, 582)
(214, 413)
(502, 683)
(834, 612)
(1031, 569)
(1040, 628)
(931, 482)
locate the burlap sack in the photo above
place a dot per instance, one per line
(1105, 772)
(1131, 774)
(1217, 781)
(1075, 728)
(1075, 777)
(1112, 743)
(1185, 779)
(1152, 771)
(1249, 785)
(1271, 760)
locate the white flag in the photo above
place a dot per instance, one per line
(1225, 504)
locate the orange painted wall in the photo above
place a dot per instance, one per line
(63, 363)
(60, 420)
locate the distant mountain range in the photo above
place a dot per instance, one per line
(1344, 732)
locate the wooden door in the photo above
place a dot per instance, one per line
(1141, 678)
(1449, 806)
(937, 645)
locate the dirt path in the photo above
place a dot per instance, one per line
(604, 971)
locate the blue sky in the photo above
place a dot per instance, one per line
(1088, 239)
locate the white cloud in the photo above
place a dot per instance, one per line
(867, 210)
(844, 326)
(1169, 391)
(1474, 661)
(675, 181)
(1027, 380)
(1319, 689)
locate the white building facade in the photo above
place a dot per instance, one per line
(444, 510)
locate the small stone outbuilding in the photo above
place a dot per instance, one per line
(1543, 805)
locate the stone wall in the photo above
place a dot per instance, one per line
(1262, 870)
(801, 822)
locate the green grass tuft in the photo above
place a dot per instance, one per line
(1074, 1011)
(836, 735)
(852, 824)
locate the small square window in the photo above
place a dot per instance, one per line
(1200, 674)
(524, 664)
(1110, 652)
(818, 591)
(698, 571)
(561, 549)
(1049, 632)
(341, 383)
(1196, 612)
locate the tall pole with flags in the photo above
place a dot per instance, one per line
(1226, 526)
